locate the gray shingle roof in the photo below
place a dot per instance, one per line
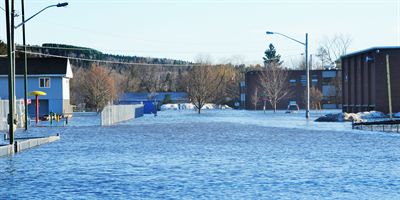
(36, 66)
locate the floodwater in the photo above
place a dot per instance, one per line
(216, 155)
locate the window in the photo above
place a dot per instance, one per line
(329, 74)
(44, 82)
(313, 81)
(303, 80)
(292, 82)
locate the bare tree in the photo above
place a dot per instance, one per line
(131, 80)
(254, 98)
(77, 94)
(98, 88)
(229, 89)
(150, 78)
(331, 49)
(274, 83)
(298, 63)
(316, 97)
(202, 84)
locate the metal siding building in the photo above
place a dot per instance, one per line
(364, 80)
(57, 70)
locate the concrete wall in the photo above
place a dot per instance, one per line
(23, 144)
(6, 150)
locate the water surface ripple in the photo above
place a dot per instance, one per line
(205, 157)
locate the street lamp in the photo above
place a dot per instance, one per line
(307, 67)
(25, 59)
(10, 27)
(24, 21)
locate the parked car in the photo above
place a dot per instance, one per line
(292, 108)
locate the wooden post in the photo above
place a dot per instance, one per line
(388, 86)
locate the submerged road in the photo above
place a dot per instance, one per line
(215, 155)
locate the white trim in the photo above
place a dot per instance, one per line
(68, 72)
(38, 75)
(44, 78)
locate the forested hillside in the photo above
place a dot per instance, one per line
(93, 54)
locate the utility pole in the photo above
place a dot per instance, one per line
(308, 80)
(11, 71)
(389, 86)
(25, 61)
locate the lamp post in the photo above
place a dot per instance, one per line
(10, 27)
(307, 68)
(25, 59)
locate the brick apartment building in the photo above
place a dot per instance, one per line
(327, 81)
(364, 79)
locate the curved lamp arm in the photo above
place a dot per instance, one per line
(270, 33)
(55, 5)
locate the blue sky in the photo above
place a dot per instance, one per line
(226, 30)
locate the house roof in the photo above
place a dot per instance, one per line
(371, 49)
(39, 66)
(144, 96)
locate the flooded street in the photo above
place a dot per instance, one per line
(218, 154)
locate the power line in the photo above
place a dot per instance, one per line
(60, 48)
(139, 51)
(106, 61)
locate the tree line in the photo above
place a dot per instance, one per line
(204, 83)
(97, 83)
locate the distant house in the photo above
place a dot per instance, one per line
(365, 85)
(152, 100)
(50, 75)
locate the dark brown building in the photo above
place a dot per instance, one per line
(327, 81)
(364, 79)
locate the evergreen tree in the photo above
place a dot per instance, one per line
(3, 48)
(271, 56)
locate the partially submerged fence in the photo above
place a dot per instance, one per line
(385, 126)
(113, 114)
(4, 109)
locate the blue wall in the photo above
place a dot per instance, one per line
(54, 93)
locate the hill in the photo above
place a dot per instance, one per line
(84, 53)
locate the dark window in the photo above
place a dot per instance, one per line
(292, 82)
(44, 82)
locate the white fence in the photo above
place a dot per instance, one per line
(113, 114)
(4, 112)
